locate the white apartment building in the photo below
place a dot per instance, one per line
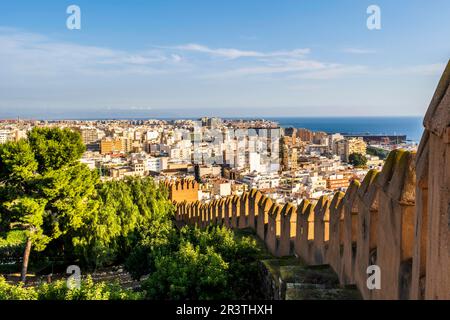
(315, 186)
(6, 136)
(156, 164)
(262, 181)
(138, 167)
(255, 161)
(332, 139)
(316, 181)
(181, 151)
(151, 135)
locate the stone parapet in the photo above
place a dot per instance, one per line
(397, 219)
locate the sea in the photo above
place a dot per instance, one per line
(410, 126)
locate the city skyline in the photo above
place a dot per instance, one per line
(175, 59)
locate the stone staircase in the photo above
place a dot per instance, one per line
(292, 279)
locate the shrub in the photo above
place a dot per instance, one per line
(58, 290)
(89, 290)
(357, 160)
(381, 153)
(208, 264)
(188, 274)
(16, 292)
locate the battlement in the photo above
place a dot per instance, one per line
(397, 219)
(182, 190)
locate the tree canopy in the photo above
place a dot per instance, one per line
(55, 148)
(60, 208)
(65, 209)
(43, 188)
(357, 160)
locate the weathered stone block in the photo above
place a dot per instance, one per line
(350, 211)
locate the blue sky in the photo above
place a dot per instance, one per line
(227, 58)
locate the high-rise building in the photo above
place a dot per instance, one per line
(305, 135)
(332, 138)
(344, 148)
(356, 145)
(110, 145)
(320, 137)
(254, 161)
(89, 135)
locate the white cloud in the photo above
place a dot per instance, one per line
(336, 71)
(176, 57)
(33, 55)
(231, 53)
(226, 53)
(290, 62)
(297, 69)
(275, 67)
(36, 70)
(358, 51)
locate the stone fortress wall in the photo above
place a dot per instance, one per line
(183, 190)
(398, 219)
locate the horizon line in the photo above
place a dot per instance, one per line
(256, 117)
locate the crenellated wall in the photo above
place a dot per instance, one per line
(431, 249)
(397, 219)
(182, 190)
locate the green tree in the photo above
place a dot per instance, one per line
(20, 205)
(357, 160)
(101, 235)
(188, 274)
(18, 168)
(72, 196)
(160, 239)
(240, 252)
(54, 148)
(381, 153)
(133, 214)
(44, 189)
(205, 264)
(28, 214)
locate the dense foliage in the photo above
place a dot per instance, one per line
(11, 245)
(56, 208)
(208, 264)
(378, 152)
(64, 209)
(130, 211)
(59, 290)
(357, 159)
